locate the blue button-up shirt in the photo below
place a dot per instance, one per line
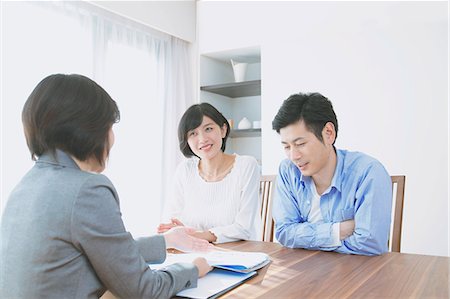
(361, 189)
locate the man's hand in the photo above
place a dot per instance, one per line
(202, 266)
(163, 227)
(346, 229)
(180, 238)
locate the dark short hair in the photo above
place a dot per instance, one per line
(192, 118)
(71, 113)
(313, 109)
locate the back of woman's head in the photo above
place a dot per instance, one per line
(71, 113)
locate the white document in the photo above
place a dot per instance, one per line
(213, 284)
(237, 261)
(216, 283)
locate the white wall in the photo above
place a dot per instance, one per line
(176, 18)
(384, 67)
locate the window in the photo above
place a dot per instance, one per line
(131, 63)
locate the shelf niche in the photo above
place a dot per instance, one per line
(245, 133)
(235, 89)
(235, 100)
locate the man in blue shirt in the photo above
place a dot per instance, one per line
(327, 199)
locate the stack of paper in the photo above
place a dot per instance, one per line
(216, 283)
(239, 266)
(237, 261)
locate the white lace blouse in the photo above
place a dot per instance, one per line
(228, 208)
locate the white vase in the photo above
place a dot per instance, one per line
(239, 69)
(256, 124)
(244, 124)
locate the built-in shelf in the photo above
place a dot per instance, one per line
(236, 89)
(245, 133)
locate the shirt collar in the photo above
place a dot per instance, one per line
(336, 181)
(59, 158)
(302, 178)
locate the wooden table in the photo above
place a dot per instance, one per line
(298, 273)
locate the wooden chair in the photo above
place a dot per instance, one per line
(267, 184)
(398, 193)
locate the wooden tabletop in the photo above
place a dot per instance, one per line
(298, 273)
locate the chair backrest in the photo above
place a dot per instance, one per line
(398, 193)
(267, 184)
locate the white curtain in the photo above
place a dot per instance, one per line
(147, 72)
(179, 99)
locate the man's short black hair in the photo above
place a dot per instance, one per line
(192, 118)
(71, 113)
(313, 109)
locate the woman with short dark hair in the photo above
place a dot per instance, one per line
(62, 235)
(214, 192)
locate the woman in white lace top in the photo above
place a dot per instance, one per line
(214, 192)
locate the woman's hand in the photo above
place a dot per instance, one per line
(181, 238)
(163, 227)
(205, 235)
(202, 266)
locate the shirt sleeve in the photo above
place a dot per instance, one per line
(336, 234)
(372, 213)
(248, 215)
(118, 260)
(291, 227)
(152, 249)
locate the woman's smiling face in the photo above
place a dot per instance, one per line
(205, 141)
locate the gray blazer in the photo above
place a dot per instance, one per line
(62, 236)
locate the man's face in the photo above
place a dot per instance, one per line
(305, 150)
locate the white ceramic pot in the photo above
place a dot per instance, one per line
(239, 70)
(256, 124)
(244, 124)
